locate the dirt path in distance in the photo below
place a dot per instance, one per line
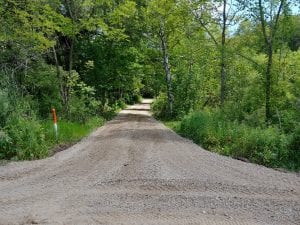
(134, 170)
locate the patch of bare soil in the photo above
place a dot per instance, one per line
(61, 147)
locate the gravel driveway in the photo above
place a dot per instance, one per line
(134, 170)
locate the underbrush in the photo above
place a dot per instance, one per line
(23, 138)
(263, 145)
(68, 131)
(28, 139)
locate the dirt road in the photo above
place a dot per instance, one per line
(136, 171)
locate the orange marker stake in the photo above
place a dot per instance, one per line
(54, 121)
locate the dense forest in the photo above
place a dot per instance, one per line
(225, 73)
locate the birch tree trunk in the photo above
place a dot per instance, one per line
(166, 64)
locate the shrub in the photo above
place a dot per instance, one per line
(107, 111)
(267, 146)
(43, 84)
(294, 146)
(160, 106)
(119, 104)
(6, 151)
(83, 103)
(25, 139)
(4, 106)
(132, 98)
(81, 109)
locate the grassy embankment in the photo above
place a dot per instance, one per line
(26, 137)
(68, 132)
(29, 140)
(262, 145)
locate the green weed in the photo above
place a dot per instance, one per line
(267, 146)
(69, 132)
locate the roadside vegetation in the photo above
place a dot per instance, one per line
(262, 145)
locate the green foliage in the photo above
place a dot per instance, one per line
(83, 103)
(22, 136)
(113, 69)
(69, 132)
(27, 139)
(159, 106)
(24, 139)
(294, 146)
(4, 106)
(266, 146)
(6, 151)
(43, 84)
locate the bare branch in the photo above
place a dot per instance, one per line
(277, 18)
(263, 21)
(208, 32)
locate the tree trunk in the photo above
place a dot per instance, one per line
(70, 67)
(71, 44)
(269, 44)
(166, 64)
(223, 77)
(189, 91)
(223, 65)
(268, 82)
(58, 73)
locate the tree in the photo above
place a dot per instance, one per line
(221, 14)
(267, 14)
(269, 41)
(25, 35)
(164, 20)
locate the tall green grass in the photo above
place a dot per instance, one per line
(29, 138)
(69, 132)
(263, 145)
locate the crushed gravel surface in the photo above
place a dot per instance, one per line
(134, 170)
